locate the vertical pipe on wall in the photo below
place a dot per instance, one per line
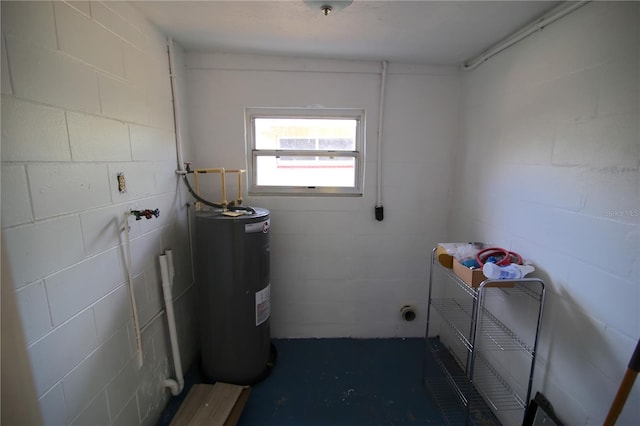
(167, 273)
(177, 121)
(166, 261)
(190, 232)
(172, 271)
(379, 212)
(132, 296)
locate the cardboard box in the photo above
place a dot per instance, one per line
(443, 250)
(443, 257)
(474, 277)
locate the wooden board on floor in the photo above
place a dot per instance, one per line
(212, 405)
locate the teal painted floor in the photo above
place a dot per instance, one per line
(338, 382)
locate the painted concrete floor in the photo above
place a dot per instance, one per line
(338, 382)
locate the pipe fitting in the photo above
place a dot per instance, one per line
(408, 313)
(173, 386)
(147, 213)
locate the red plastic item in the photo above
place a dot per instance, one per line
(508, 257)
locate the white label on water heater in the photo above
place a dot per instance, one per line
(257, 227)
(263, 304)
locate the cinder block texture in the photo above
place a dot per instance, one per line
(73, 289)
(34, 250)
(51, 77)
(16, 204)
(33, 132)
(93, 138)
(549, 167)
(70, 23)
(67, 187)
(77, 76)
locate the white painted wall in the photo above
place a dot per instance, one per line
(335, 270)
(86, 95)
(548, 167)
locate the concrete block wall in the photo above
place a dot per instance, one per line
(335, 270)
(546, 164)
(86, 95)
(548, 167)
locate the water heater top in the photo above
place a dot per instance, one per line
(216, 214)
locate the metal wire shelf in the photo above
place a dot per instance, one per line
(494, 388)
(479, 342)
(527, 289)
(456, 279)
(499, 335)
(458, 400)
(522, 287)
(458, 316)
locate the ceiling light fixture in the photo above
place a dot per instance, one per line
(328, 6)
(326, 9)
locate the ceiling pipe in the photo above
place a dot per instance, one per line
(556, 13)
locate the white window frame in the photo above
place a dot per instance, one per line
(311, 113)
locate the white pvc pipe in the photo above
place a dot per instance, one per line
(383, 83)
(166, 265)
(132, 296)
(193, 276)
(176, 110)
(167, 269)
(172, 271)
(163, 311)
(564, 9)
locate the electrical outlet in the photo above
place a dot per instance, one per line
(122, 183)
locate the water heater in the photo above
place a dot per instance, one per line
(233, 288)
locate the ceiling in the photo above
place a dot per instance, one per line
(418, 31)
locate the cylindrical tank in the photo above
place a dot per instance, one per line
(233, 289)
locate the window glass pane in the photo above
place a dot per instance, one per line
(315, 151)
(296, 143)
(336, 144)
(305, 133)
(305, 171)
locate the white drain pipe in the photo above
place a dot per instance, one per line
(167, 272)
(132, 296)
(166, 260)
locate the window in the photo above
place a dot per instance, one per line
(305, 151)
